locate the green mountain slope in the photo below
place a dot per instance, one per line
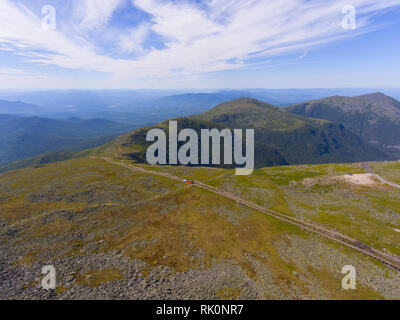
(374, 117)
(134, 145)
(299, 139)
(23, 137)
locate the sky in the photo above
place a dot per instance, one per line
(213, 44)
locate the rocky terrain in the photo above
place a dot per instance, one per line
(112, 233)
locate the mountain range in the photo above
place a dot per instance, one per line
(23, 137)
(148, 107)
(374, 117)
(335, 129)
(280, 136)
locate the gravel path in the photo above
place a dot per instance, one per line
(380, 178)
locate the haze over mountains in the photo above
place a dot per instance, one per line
(146, 107)
(20, 108)
(23, 137)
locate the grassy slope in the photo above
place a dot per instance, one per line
(313, 192)
(52, 157)
(55, 205)
(389, 170)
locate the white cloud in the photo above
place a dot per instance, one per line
(305, 54)
(22, 32)
(203, 41)
(180, 22)
(220, 35)
(135, 38)
(95, 14)
(13, 71)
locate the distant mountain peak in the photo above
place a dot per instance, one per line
(248, 100)
(19, 108)
(374, 116)
(377, 102)
(242, 104)
(376, 94)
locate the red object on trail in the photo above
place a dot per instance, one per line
(188, 181)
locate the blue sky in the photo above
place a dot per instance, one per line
(198, 44)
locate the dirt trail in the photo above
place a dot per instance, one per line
(380, 178)
(386, 258)
(365, 179)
